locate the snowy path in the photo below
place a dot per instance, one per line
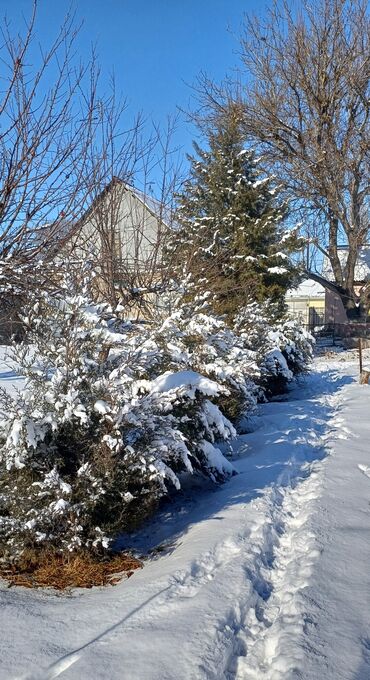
(338, 597)
(264, 577)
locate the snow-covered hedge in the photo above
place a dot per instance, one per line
(207, 345)
(296, 345)
(284, 349)
(112, 413)
(92, 443)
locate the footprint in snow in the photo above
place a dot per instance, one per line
(365, 469)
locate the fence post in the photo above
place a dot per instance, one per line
(360, 354)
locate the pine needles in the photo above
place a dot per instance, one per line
(49, 569)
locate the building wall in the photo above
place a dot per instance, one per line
(334, 310)
(303, 309)
(138, 230)
(123, 225)
(123, 235)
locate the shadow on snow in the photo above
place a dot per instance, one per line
(289, 435)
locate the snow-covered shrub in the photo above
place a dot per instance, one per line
(297, 345)
(112, 413)
(100, 431)
(283, 348)
(174, 419)
(204, 342)
(57, 468)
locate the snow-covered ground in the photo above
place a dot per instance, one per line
(264, 577)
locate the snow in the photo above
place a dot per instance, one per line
(102, 407)
(266, 576)
(260, 182)
(190, 381)
(308, 288)
(9, 379)
(277, 270)
(215, 458)
(60, 506)
(365, 469)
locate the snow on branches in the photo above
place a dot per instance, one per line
(230, 238)
(113, 413)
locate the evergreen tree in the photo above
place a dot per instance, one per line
(231, 242)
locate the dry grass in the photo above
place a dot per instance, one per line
(78, 570)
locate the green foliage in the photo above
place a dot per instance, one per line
(230, 241)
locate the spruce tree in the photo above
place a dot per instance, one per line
(230, 241)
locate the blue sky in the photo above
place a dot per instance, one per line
(155, 47)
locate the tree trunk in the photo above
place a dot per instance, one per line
(356, 310)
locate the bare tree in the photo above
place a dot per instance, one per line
(306, 107)
(62, 143)
(46, 131)
(48, 115)
(126, 227)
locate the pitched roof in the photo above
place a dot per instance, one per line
(306, 289)
(160, 211)
(157, 208)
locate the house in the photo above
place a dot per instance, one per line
(123, 233)
(315, 305)
(306, 303)
(334, 309)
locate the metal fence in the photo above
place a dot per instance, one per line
(335, 333)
